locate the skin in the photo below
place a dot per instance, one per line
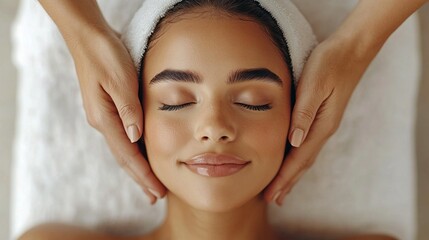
(201, 207)
(329, 78)
(322, 96)
(104, 69)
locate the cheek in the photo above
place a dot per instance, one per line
(165, 138)
(163, 135)
(269, 144)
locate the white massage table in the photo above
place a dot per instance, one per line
(363, 181)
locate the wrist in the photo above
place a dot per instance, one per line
(78, 20)
(367, 28)
(79, 40)
(362, 45)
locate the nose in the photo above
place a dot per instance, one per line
(214, 125)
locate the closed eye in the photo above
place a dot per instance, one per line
(166, 107)
(264, 107)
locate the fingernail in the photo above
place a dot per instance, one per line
(157, 194)
(277, 195)
(133, 133)
(152, 199)
(282, 198)
(297, 137)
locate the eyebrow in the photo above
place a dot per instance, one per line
(242, 75)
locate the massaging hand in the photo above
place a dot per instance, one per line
(329, 78)
(109, 86)
(326, 85)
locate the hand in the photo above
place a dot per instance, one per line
(324, 89)
(109, 86)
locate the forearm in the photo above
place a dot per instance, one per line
(371, 23)
(76, 19)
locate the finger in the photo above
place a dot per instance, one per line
(300, 159)
(289, 187)
(152, 198)
(124, 93)
(127, 154)
(281, 196)
(309, 96)
(292, 171)
(102, 115)
(297, 161)
(152, 195)
(130, 158)
(289, 169)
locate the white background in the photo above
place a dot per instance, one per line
(8, 83)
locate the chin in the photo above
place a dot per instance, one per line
(217, 204)
(217, 198)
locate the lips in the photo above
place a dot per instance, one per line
(215, 165)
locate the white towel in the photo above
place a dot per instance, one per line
(297, 31)
(362, 181)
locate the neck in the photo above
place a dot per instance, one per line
(184, 222)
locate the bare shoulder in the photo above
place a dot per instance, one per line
(371, 237)
(53, 231)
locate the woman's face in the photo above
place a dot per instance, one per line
(216, 117)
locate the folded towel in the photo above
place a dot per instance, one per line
(297, 31)
(362, 181)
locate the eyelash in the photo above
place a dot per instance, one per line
(265, 107)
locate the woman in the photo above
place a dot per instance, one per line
(364, 27)
(203, 133)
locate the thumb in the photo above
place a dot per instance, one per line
(308, 101)
(127, 102)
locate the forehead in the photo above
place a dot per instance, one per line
(212, 43)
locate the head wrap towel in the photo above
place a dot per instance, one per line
(297, 31)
